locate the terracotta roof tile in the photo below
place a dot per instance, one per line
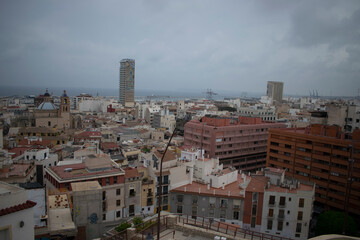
(109, 145)
(16, 208)
(231, 190)
(168, 156)
(257, 183)
(131, 172)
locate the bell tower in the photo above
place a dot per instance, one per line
(65, 103)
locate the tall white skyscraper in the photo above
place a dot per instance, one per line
(127, 82)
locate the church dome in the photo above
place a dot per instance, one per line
(46, 93)
(46, 106)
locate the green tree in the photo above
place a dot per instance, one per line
(123, 226)
(137, 220)
(331, 222)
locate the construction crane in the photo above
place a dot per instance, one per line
(210, 94)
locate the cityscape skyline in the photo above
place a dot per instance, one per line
(308, 46)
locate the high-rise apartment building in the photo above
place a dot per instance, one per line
(275, 90)
(127, 82)
(323, 155)
(238, 142)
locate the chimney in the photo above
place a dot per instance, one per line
(199, 190)
(229, 193)
(214, 191)
(208, 186)
(223, 186)
(185, 189)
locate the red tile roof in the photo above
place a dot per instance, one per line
(131, 172)
(16, 170)
(168, 156)
(257, 183)
(88, 134)
(109, 145)
(16, 208)
(43, 142)
(231, 190)
(18, 151)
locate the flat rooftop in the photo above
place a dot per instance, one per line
(85, 186)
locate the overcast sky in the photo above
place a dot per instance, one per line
(225, 45)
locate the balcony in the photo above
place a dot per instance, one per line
(150, 194)
(281, 217)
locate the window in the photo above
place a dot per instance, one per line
(271, 212)
(253, 222)
(254, 209)
(223, 213)
(165, 200)
(300, 215)
(180, 198)
(301, 202)
(269, 224)
(281, 213)
(236, 203)
(194, 200)
(255, 197)
(132, 192)
(115, 180)
(118, 192)
(179, 209)
(166, 179)
(107, 181)
(194, 211)
(165, 190)
(282, 201)
(211, 212)
(104, 217)
(236, 215)
(49, 123)
(118, 214)
(224, 202)
(271, 200)
(280, 225)
(118, 203)
(298, 227)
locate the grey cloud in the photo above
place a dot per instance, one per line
(232, 45)
(314, 24)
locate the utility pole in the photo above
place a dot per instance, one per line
(160, 186)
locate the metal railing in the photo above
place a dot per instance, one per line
(144, 228)
(150, 226)
(226, 228)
